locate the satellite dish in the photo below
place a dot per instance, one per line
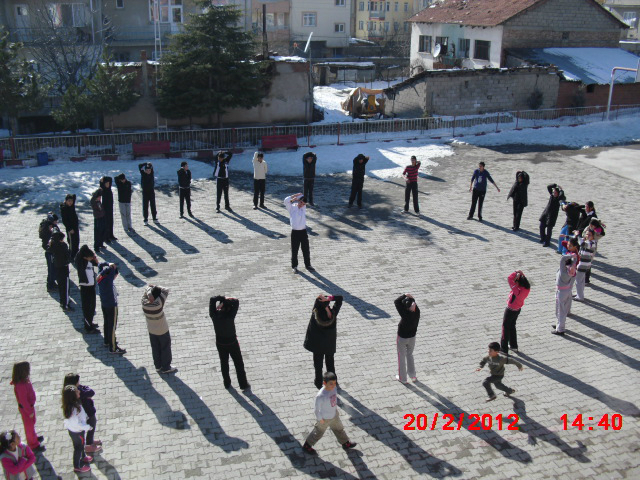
(436, 49)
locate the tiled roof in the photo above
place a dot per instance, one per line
(480, 13)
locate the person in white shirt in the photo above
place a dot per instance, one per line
(296, 206)
(75, 420)
(259, 179)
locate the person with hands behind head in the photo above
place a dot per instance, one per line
(520, 199)
(550, 213)
(496, 369)
(357, 182)
(309, 160)
(520, 288)
(70, 222)
(296, 205)
(321, 334)
(153, 299)
(406, 339)
(109, 302)
(148, 183)
(221, 174)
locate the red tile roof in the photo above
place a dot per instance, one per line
(480, 13)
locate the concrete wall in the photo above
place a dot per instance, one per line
(469, 92)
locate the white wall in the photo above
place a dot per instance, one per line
(327, 15)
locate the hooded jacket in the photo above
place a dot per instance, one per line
(85, 267)
(106, 287)
(69, 215)
(359, 168)
(147, 181)
(519, 189)
(59, 250)
(96, 205)
(45, 230)
(409, 320)
(309, 168)
(107, 194)
(572, 210)
(321, 331)
(124, 189)
(550, 212)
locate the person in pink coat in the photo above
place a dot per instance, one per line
(520, 289)
(16, 457)
(26, 397)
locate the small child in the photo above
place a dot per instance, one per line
(75, 420)
(565, 279)
(588, 247)
(26, 397)
(17, 458)
(86, 399)
(327, 414)
(496, 368)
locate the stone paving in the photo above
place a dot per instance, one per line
(188, 426)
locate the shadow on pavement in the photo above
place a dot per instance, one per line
(251, 225)
(174, 239)
(218, 235)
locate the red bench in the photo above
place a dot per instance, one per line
(152, 148)
(272, 142)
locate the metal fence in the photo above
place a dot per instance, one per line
(88, 145)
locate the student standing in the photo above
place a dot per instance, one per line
(223, 311)
(478, 184)
(410, 175)
(550, 213)
(124, 202)
(184, 185)
(586, 214)
(296, 206)
(98, 220)
(221, 174)
(61, 259)
(26, 397)
(588, 246)
(147, 181)
(519, 194)
(564, 283)
(47, 227)
(109, 302)
(572, 211)
(86, 399)
(259, 179)
(309, 160)
(357, 182)
(70, 222)
(496, 369)
(107, 203)
(85, 261)
(406, 339)
(75, 421)
(153, 299)
(327, 416)
(322, 334)
(520, 288)
(16, 457)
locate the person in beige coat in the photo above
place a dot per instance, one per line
(153, 299)
(259, 179)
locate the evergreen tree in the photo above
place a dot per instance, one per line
(208, 68)
(76, 109)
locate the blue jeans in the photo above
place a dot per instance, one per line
(564, 231)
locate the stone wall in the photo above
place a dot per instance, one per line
(596, 95)
(469, 92)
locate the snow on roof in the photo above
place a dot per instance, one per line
(588, 65)
(349, 64)
(361, 40)
(293, 59)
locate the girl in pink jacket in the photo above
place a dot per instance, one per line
(520, 289)
(16, 457)
(26, 397)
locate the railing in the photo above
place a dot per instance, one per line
(65, 146)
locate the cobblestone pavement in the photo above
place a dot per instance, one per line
(188, 426)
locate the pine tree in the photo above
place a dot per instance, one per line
(76, 109)
(208, 69)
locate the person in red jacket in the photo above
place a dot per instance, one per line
(410, 175)
(17, 458)
(26, 397)
(520, 288)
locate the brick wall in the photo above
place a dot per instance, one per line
(468, 92)
(623, 94)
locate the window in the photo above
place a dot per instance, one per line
(68, 14)
(166, 11)
(271, 19)
(481, 50)
(361, 25)
(388, 6)
(424, 44)
(386, 26)
(369, 26)
(374, 6)
(406, 7)
(338, 27)
(464, 45)
(565, 35)
(309, 19)
(630, 18)
(444, 44)
(361, 6)
(119, 3)
(395, 7)
(406, 27)
(396, 26)
(283, 19)
(340, 3)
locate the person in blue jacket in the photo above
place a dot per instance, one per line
(109, 302)
(479, 186)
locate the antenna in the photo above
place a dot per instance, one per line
(306, 48)
(436, 50)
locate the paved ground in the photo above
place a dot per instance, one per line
(188, 426)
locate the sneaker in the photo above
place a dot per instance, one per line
(227, 385)
(97, 442)
(295, 270)
(191, 215)
(228, 208)
(108, 242)
(255, 207)
(491, 398)
(508, 394)
(217, 209)
(114, 239)
(171, 369)
(181, 216)
(262, 206)
(68, 308)
(87, 459)
(312, 204)
(83, 469)
(555, 332)
(39, 448)
(515, 350)
(158, 370)
(479, 219)
(310, 268)
(118, 351)
(575, 297)
(401, 381)
(41, 438)
(469, 217)
(92, 448)
(546, 244)
(417, 212)
(155, 220)
(405, 211)
(414, 379)
(91, 330)
(309, 449)
(246, 387)
(349, 445)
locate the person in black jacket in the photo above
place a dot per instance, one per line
(519, 194)
(124, 202)
(321, 334)
(357, 182)
(222, 311)
(98, 220)
(550, 213)
(48, 227)
(309, 160)
(586, 214)
(406, 340)
(107, 203)
(85, 261)
(147, 182)
(60, 252)
(572, 211)
(221, 174)
(70, 222)
(184, 185)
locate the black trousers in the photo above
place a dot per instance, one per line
(517, 214)
(259, 187)
(233, 350)
(308, 189)
(62, 277)
(88, 299)
(497, 381)
(477, 198)
(51, 270)
(222, 187)
(356, 191)
(108, 223)
(161, 350)
(110, 315)
(73, 239)
(409, 190)
(99, 227)
(545, 232)
(92, 420)
(317, 366)
(509, 334)
(149, 199)
(300, 238)
(78, 448)
(185, 194)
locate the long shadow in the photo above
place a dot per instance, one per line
(334, 233)
(621, 297)
(123, 267)
(271, 424)
(616, 404)
(618, 273)
(272, 213)
(535, 431)
(523, 233)
(618, 314)
(44, 467)
(157, 253)
(203, 416)
(173, 238)
(401, 185)
(253, 226)
(609, 332)
(454, 230)
(603, 349)
(446, 406)
(366, 309)
(382, 430)
(430, 177)
(218, 235)
(105, 467)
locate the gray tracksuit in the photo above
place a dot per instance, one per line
(564, 283)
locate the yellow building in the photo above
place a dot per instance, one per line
(382, 21)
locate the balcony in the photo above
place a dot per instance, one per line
(142, 35)
(36, 36)
(377, 15)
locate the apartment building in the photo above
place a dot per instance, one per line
(382, 21)
(278, 23)
(329, 20)
(629, 12)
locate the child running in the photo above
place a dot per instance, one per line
(496, 368)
